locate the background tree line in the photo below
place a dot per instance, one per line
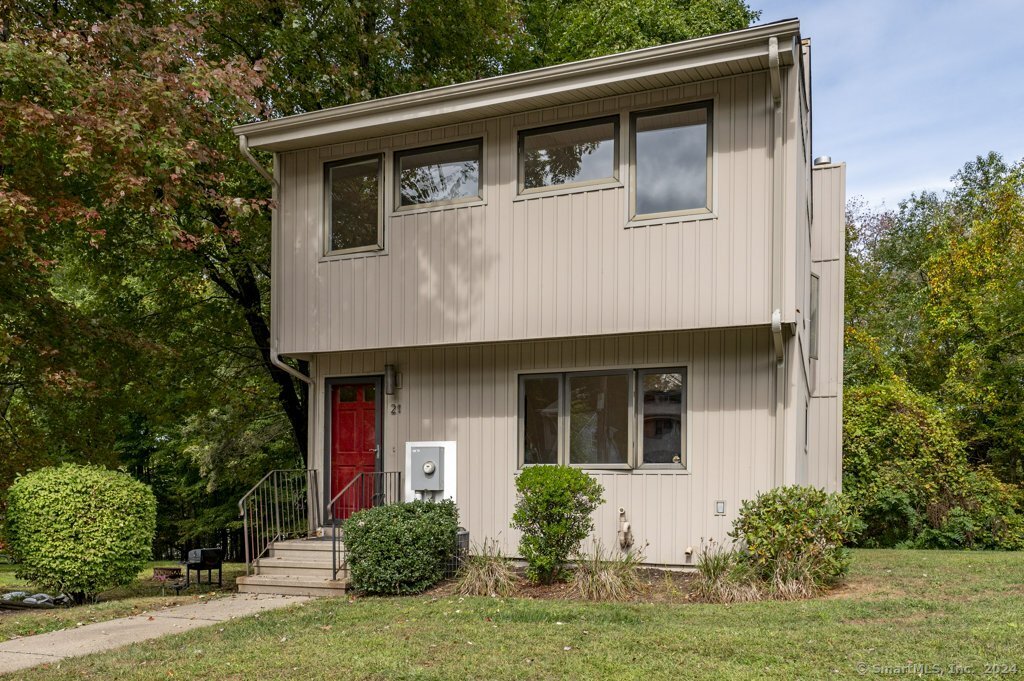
(134, 239)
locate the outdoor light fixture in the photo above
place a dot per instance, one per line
(390, 379)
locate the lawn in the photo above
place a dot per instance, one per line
(897, 608)
(142, 595)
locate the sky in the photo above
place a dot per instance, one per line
(907, 91)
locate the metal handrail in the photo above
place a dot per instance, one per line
(282, 505)
(365, 490)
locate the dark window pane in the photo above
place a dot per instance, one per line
(354, 204)
(370, 393)
(598, 419)
(443, 174)
(815, 298)
(663, 405)
(671, 161)
(347, 393)
(568, 155)
(540, 416)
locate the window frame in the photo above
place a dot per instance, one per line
(328, 217)
(814, 316)
(565, 449)
(634, 115)
(396, 171)
(634, 459)
(521, 419)
(684, 464)
(522, 133)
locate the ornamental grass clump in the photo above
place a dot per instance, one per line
(80, 530)
(486, 572)
(604, 575)
(554, 513)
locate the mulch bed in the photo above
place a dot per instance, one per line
(659, 586)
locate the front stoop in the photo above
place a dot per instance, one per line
(297, 567)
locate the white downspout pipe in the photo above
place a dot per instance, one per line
(275, 357)
(778, 197)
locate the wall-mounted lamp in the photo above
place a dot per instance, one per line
(391, 379)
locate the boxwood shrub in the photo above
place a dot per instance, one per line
(80, 530)
(796, 534)
(402, 548)
(554, 513)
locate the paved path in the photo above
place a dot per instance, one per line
(30, 651)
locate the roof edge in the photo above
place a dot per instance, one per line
(449, 95)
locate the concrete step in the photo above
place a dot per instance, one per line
(285, 585)
(295, 568)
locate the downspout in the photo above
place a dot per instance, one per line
(778, 197)
(275, 357)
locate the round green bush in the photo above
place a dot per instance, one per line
(80, 530)
(401, 548)
(553, 512)
(796, 534)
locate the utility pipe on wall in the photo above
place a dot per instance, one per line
(778, 234)
(275, 357)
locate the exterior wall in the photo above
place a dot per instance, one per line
(543, 266)
(828, 253)
(470, 394)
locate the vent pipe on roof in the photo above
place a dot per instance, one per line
(823, 160)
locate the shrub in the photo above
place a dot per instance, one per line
(486, 573)
(554, 514)
(605, 576)
(906, 474)
(80, 530)
(792, 537)
(401, 548)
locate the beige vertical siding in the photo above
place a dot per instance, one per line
(469, 394)
(828, 252)
(513, 268)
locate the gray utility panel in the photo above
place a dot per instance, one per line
(427, 469)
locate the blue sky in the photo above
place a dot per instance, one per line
(907, 91)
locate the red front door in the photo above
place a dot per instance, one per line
(353, 445)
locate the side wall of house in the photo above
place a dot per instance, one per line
(828, 257)
(470, 394)
(541, 265)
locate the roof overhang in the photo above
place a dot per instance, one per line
(688, 61)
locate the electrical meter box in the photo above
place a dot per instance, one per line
(426, 469)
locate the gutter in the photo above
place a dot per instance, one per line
(321, 127)
(275, 357)
(778, 196)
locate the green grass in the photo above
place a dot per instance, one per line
(940, 608)
(142, 595)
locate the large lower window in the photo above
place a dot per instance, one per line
(671, 156)
(576, 153)
(352, 206)
(443, 174)
(606, 419)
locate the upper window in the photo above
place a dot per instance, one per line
(443, 174)
(604, 419)
(812, 333)
(671, 156)
(576, 153)
(353, 205)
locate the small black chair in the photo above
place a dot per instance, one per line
(205, 559)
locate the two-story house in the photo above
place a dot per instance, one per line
(628, 264)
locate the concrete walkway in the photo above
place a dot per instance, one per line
(30, 651)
